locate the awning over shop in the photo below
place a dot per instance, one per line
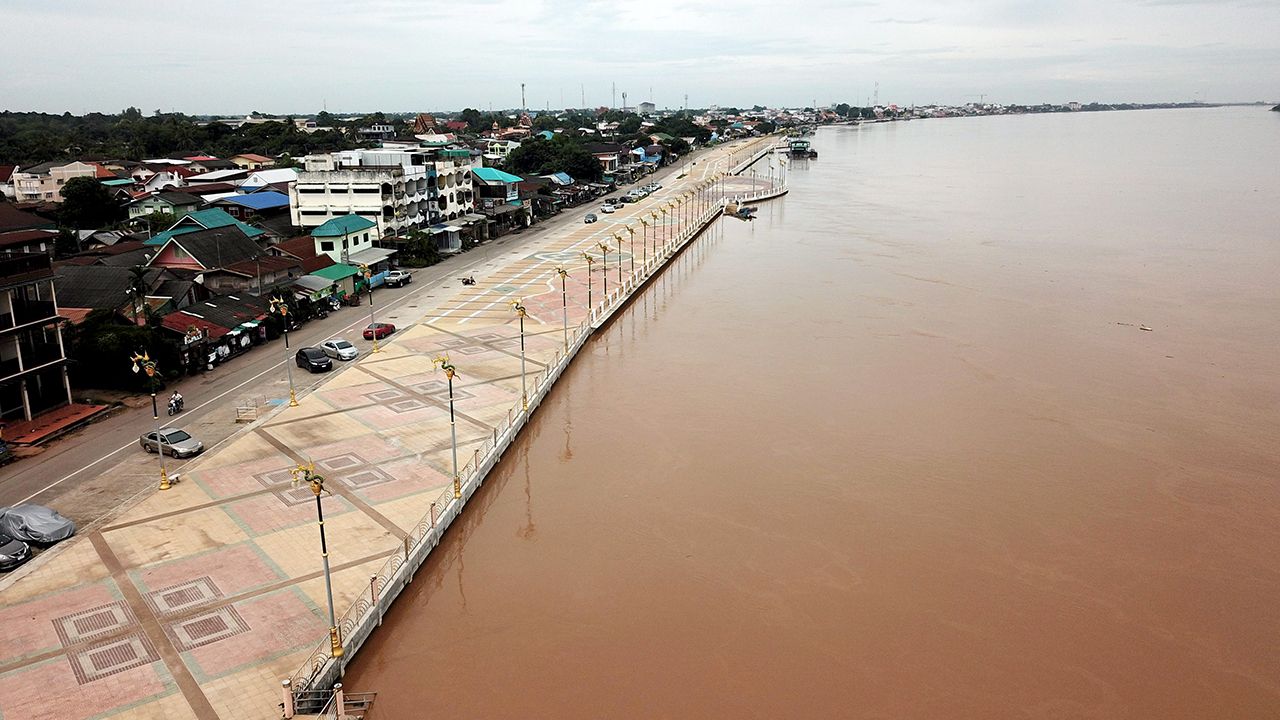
(474, 218)
(336, 272)
(371, 256)
(312, 283)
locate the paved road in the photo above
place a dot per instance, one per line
(89, 472)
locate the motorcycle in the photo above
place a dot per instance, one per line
(175, 405)
(468, 280)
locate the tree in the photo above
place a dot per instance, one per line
(158, 221)
(87, 203)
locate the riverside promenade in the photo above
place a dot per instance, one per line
(208, 601)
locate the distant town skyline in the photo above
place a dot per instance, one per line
(403, 56)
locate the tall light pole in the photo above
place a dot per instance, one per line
(590, 261)
(368, 281)
(278, 305)
(644, 239)
(631, 241)
(307, 474)
(604, 258)
(618, 239)
(653, 214)
(518, 306)
(142, 362)
(441, 362)
(564, 305)
(666, 229)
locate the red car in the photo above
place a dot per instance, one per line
(378, 330)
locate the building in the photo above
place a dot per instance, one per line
(646, 108)
(173, 202)
(399, 186)
(250, 161)
(28, 241)
(498, 198)
(204, 220)
(342, 237)
(43, 182)
(33, 363)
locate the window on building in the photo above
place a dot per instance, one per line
(326, 245)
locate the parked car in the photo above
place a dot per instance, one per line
(590, 218)
(606, 208)
(175, 441)
(378, 331)
(313, 359)
(628, 198)
(339, 349)
(398, 278)
(35, 524)
(653, 186)
(13, 552)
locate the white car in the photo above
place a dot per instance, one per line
(339, 349)
(606, 208)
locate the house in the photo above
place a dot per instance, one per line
(28, 241)
(224, 260)
(43, 182)
(33, 363)
(173, 202)
(609, 155)
(263, 178)
(204, 220)
(302, 249)
(210, 164)
(225, 175)
(498, 198)
(84, 288)
(169, 177)
(217, 329)
(11, 219)
(258, 204)
(250, 161)
(342, 237)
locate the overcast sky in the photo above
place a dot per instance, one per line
(282, 56)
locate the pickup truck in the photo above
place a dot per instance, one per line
(398, 278)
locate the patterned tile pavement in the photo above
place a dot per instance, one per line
(196, 602)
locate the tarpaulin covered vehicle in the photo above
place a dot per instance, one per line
(36, 524)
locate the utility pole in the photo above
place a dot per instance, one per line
(877, 93)
(624, 101)
(686, 102)
(524, 107)
(583, 88)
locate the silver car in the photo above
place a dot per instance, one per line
(176, 441)
(339, 349)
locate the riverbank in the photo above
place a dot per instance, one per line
(198, 601)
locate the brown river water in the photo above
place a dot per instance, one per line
(901, 448)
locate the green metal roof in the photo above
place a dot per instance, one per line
(489, 174)
(340, 226)
(163, 237)
(117, 183)
(203, 220)
(336, 272)
(455, 153)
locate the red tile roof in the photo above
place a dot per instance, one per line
(255, 158)
(21, 237)
(181, 322)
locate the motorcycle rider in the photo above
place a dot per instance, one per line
(175, 401)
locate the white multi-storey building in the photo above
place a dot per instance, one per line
(398, 186)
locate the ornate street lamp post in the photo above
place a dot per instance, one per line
(631, 241)
(368, 282)
(442, 362)
(618, 239)
(666, 229)
(142, 362)
(653, 214)
(644, 239)
(590, 260)
(307, 474)
(524, 392)
(604, 258)
(564, 305)
(278, 305)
